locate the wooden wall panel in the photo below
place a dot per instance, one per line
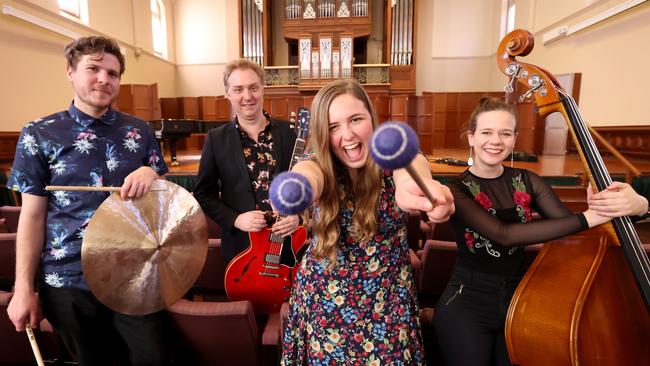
(439, 118)
(139, 100)
(224, 110)
(188, 107)
(8, 142)
(309, 99)
(169, 108)
(420, 117)
(450, 114)
(381, 102)
(207, 108)
(399, 108)
(530, 137)
(155, 102)
(402, 79)
(293, 103)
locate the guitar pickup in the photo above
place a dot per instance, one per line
(274, 275)
(272, 258)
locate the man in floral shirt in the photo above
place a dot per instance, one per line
(89, 144)
(240, 159)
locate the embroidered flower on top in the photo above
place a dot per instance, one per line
(522, 199)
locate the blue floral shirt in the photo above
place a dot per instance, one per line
(71, 148)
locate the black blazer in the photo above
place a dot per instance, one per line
(224, 188)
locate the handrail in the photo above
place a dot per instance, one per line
(370, 65)
(631, 170)
(281, 67)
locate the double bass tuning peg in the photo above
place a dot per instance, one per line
(512, 70)
(537, 84)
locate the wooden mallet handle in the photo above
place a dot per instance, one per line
(32, 342)
(93, 189)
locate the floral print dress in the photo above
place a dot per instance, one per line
(362, 311)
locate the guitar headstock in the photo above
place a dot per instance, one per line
(302, 128)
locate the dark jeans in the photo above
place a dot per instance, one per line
(470, 318)
(97, 335)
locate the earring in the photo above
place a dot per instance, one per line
(470, 160)
(512, 159)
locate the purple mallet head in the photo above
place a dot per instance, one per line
(394, 145)
(290, 193)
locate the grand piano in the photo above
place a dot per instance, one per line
(173, 130)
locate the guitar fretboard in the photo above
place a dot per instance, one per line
(298, 150)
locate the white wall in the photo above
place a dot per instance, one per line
(612, 57)
(456, 45)
(207, 38)
(457, 42)
(33, 65)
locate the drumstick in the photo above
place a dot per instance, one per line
(93, 189)
(32, 342)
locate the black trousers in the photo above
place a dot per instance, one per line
(97, 335)
(470, 318)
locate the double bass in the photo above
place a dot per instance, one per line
(585, 300)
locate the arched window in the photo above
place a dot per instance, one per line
(508, 8)
(76, 10)
(159, 28)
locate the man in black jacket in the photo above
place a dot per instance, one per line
(240, 159)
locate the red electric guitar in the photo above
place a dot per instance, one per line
(264, 273)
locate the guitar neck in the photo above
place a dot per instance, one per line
(298, 150)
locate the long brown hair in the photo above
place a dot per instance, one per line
(365, 190)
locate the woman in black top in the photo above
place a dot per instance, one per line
(492, 224)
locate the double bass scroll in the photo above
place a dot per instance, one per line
(586, 298)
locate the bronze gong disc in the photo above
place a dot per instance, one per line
(140, 256)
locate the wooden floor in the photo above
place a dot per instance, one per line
(550, 166)
(547, 165)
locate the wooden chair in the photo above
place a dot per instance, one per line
(15, 348)
(215, 333)
(210, 284)
(438, 260)
(7, 260)
(11, 215)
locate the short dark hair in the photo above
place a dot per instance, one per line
(488, 104)
(91, 45)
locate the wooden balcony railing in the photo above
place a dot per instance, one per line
(372, 74)
(365, 74)
(281, 75)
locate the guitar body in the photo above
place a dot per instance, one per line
(264, 273)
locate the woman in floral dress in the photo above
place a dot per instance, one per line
(492, 224)
(354, 300)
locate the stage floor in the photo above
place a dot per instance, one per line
(565, 170)
(546, 166)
